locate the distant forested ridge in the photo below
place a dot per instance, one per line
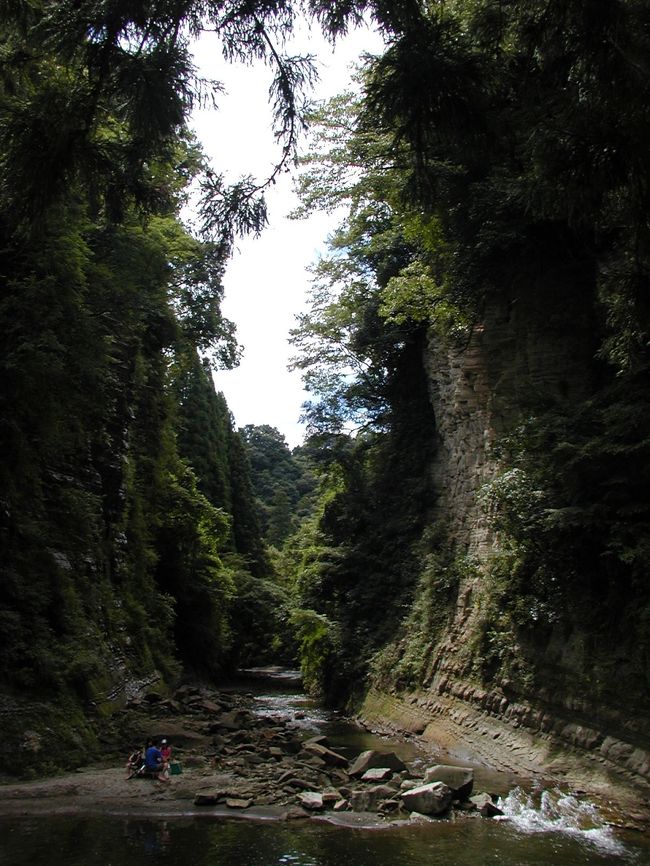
(468, 521)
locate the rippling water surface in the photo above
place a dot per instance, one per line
(202, 842)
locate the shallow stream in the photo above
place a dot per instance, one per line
(538, 828)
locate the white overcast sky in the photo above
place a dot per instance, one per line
(267, 280)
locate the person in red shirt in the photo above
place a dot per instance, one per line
(166, 752)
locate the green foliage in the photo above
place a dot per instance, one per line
(520, 130)
(112, 548)
(46, 737)
(495, 648)
(384, 280)
(190, 535)
(408, 660)
(282, 481)
(246, 529)
(414, 296)
(574, 535)
(114, 551)
(355, 561)
(499, 152)
(497, 158)
(319, 647)
(203, 427)
(260, 621)
(208, 442)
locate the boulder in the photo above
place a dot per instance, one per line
(195, 760)
(207, 799)
(311, 800)
(371, 759)
(180, 735)
(211, 706)
(299, 783)
(387, 806)
(370, 799)
(337, 774)
(184, 692)
(235, 737)
(294, 813)
(431, 799)
(253, 760)
(233, 720)
(320, 739)
(331, 796)
(485, 805)
(313, 762)
(459, 779)
(331, 758)
(238, 803)
(377, 774)
(286, 776)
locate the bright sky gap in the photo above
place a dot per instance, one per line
(267, 279)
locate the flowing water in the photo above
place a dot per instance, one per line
(538, 828)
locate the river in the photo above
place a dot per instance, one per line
(548, 827)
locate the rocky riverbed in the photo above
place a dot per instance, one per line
(235, 761)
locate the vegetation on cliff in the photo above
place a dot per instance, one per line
(496, 160)
(128, 530)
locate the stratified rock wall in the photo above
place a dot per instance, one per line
(527, 347)
(530, 344)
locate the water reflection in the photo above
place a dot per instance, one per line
(469, 842)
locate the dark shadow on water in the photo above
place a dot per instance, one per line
(469, 842)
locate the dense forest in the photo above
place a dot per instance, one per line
(471, 500)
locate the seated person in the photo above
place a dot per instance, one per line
(166, 752)
(134, 764)
(154, 764)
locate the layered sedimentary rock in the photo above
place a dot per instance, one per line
(532, 343)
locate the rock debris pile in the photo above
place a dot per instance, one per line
(239, 759)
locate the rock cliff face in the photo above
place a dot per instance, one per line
(530, 344)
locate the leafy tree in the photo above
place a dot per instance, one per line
(260, 611)
(520, 128)
(190, 569)
(497, 156)
(281, 480)
(246, 529)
